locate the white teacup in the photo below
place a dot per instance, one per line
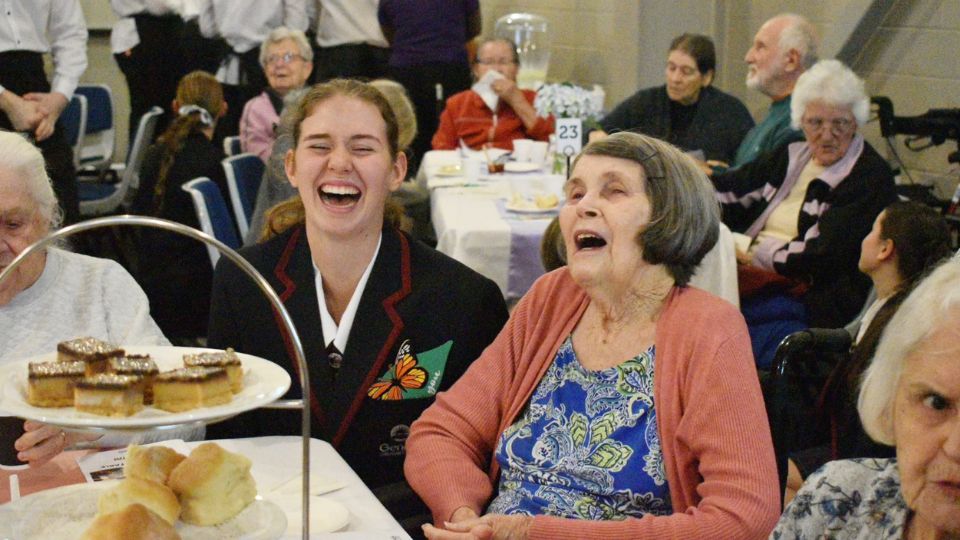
(538, 152)
(522, 149)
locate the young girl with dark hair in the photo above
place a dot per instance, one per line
(175, 271)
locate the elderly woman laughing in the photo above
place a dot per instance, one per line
(617, 402)
(910, 399)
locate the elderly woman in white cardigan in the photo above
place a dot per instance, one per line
(55, 295)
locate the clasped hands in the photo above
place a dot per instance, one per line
(35, 113)
(465, 524)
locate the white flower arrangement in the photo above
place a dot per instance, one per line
(566, 100)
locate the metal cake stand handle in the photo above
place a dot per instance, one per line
(249, 270)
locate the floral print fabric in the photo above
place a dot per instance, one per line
(847, 499)
(586, 446)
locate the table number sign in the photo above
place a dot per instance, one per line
(569, 136)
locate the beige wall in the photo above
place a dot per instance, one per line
(913, 57)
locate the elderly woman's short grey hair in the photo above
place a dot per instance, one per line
(685, 216)
(399, 101)
(934, 303)
(26, 161)
(834, 84)
(281, 33)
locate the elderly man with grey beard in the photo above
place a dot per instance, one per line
(782, 50)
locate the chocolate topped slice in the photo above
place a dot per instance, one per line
(50, 384)
(190, 374)
(37, 370)
(133, 364)
(227, 359)
(90, 350)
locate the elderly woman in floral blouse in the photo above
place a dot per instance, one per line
(910, 399)
(618, 402)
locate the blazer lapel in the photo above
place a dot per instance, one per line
(375, 333)
(295, 280)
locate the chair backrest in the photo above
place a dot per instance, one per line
(73, 122)
(802, 363)
(231, 146)
(213, 214)
(100, 130)
(244, 174)
(141, 141)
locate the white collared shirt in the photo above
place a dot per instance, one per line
(338, 334)
(343, 22)
(244, 24)
(44, 26)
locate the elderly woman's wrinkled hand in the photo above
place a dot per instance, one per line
(490, 526)
(40, 442)
(508, 90)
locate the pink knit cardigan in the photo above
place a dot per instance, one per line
(717, 450)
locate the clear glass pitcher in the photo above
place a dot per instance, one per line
(531, 35)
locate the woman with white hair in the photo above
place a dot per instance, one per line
(803, 210)
(55, 295)
(909, 399)
(287, 61)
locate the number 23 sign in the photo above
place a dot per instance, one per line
(569, 136)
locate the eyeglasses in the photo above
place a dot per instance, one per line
(284, 58)
(838, 126)
(496, 62)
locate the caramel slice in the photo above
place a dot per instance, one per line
(227, 360)
(50, 384)
(184, 389)
(140, 365)
(91, 351)
(109, 395)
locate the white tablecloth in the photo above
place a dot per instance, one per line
(276, 461)
(471, 230)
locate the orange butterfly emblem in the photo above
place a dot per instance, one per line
(406, 375)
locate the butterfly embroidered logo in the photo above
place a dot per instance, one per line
(406, 374)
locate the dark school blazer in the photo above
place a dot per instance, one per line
(416, 300)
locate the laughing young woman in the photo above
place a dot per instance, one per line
(385, 321)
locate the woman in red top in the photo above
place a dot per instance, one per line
(468, 117)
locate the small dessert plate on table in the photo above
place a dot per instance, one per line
(263, 383)
(67, 511)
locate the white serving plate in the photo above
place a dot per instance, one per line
(531, 210)
(67, 511)
(263, 382)
(521, 167)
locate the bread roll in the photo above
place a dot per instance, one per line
(213, 485)
(156, 497)
(133, 522)
(152, 463)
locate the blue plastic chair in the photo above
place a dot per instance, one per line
(231, 146)
(101, 197)
(244, 174)
(73, 122)
(97, 149)
(213, 214)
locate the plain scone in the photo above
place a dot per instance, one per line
(152, 463)
(213, 485)
(133, 522)
(156, 497)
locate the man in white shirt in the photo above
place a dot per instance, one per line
(146, 43)
(351, 43)
(244, 24)
(31, 104)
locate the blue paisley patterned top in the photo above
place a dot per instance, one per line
(847, 499)
(586, 446)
